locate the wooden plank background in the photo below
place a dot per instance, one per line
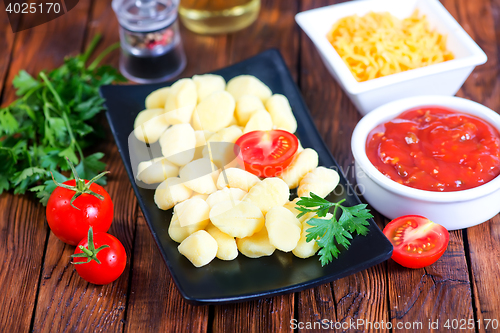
(41, 292)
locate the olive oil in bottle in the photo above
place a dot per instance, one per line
(218, 16)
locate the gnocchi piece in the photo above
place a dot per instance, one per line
(281, 113)
(202, 137)
(283, 228)
(156, 170)
(178, 143)
(227, 249)
(215, 112)
(206, 84)
(256, 246)
(248, 85)
(178, 233)
(197, 175)
(228, 134)
(246, 106)
(149, 125)
(201, 141)
(203, 197)
(302, 163)
(321, 181)
(200, 248)
(156, 100)
(237, 219)
(259, 121)
(220, 147)
(226, 194)
(170, 192)
(268, 193)
(181, 102)
(233, 122)
(193, 211)
(237, 178)
(305, 249)
(292, 206)
(300, 148)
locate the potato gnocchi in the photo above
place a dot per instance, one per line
(220, 209)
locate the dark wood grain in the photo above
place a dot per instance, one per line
(276, 28)
(484, 251)
(362, 296)
(265, 315)
(24, 232)
(362, 299)
(102, 20)
(325, 105)
(153, 293)
(483, 86)
(155, 304)
(440, 291)
(443, 290)
(6, 45)
(66, 300)
(42, 291)
(316, 307)
(204, 53)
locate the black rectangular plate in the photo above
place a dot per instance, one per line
(244, 278)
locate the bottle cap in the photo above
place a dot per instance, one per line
(145, 15)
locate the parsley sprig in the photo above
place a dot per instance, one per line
(329, 233)
(53, 118)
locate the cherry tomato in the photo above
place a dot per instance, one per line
(100, 258)
(266, 153)
(70, 221)
(417, 241)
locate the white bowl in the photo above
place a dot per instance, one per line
(453, 210)
(439, 79)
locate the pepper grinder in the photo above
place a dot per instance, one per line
(150, 40)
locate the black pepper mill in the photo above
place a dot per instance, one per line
(150, 40)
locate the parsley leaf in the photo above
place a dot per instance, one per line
(53, 118)
(90, 167)
(8, 124)
(328, 232)
(355, 219)
(24, 82)
(4, 184)
(44, 191)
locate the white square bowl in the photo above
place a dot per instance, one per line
(440, 79)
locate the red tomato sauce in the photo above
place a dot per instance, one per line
(436, 149)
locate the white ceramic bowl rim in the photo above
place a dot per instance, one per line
(348, 80)
(391, 110)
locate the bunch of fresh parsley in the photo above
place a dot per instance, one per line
(329, 233)
(53, 118)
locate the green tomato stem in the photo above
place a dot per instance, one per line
(91, 252)
(86, 251)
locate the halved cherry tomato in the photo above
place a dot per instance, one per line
(266, 153)
(417, 241)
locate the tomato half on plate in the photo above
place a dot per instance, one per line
(417, 241)
(266, 153)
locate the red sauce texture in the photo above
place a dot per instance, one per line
(436, 149)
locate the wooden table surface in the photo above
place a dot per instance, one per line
(40, 290)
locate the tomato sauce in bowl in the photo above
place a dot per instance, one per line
(436, 149)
